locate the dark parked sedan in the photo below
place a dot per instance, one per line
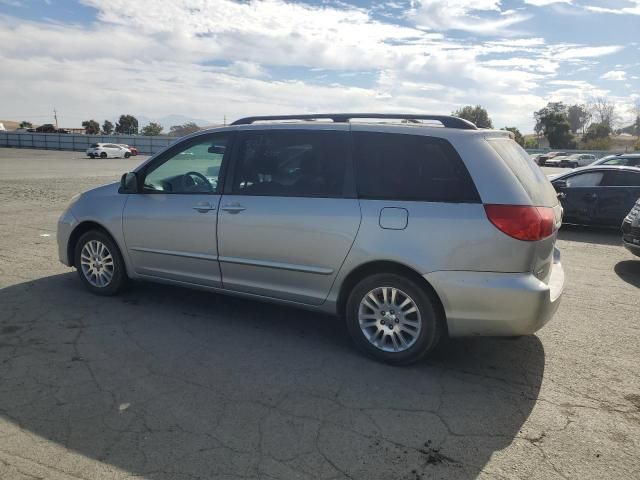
(631, 230)
(601, 195)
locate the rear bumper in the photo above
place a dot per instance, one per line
(497, 304)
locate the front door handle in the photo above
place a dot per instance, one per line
(204, 207)
(591, 196)
(233, 207)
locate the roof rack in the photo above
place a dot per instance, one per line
(447, 120)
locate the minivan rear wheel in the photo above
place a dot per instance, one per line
(393, 319)
(103, 155)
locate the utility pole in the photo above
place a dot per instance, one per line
(55, 115)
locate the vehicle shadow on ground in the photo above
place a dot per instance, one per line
(589, 234)
(169, 383)
(629, 271)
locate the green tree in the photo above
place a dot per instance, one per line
(578, 116)
(517, 136)
(530, 142)
(182, 130)
(477, 115)
(552, 122)
(107, 127)
(636, 147)
(25, 124)
(597, 137)
(127, 125)
(152, 129)
(91, 127)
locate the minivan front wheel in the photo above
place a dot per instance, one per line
(99, 263)
(393, 319)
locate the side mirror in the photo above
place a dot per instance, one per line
(216, 149)
(560, 184)
(129, 183)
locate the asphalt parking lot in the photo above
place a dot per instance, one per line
(167, 383)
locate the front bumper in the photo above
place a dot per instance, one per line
(631, 233)
(497, 304)
(66, 223)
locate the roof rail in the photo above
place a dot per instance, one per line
(447, 121)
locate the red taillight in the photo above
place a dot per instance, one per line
(522, 222)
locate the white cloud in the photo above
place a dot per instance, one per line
(633, 9)
(465, 15)
(544, 3)
(579, 52)
(619, 75)
(221, 57)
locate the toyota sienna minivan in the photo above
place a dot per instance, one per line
(410, 227)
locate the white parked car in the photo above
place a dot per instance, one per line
(555, 161)
(577, 160)
(106, 150)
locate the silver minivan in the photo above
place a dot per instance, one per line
(411, 230)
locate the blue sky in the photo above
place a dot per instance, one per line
(219, 58)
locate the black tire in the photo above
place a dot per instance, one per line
(103, 155)
(91, 155)
(431, 322)
(127, 154)
(119, 274)
(574, 165)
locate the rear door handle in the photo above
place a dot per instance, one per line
(233, 208)
(204, 207)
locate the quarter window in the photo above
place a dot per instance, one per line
(191, 168)
(292, 163)
(410, 167)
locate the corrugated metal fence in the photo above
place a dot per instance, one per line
(146, 145)
(79, 142)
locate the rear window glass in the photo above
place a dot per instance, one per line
(530, 176)
(410, 167)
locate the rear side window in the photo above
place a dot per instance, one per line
(622, 179)
(530, 176)
(624, 161)
(410, 167)
(292, 163)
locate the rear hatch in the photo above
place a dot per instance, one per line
(541, 194)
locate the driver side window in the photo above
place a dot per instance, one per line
(194, 168)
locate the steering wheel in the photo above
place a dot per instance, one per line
(191, 180)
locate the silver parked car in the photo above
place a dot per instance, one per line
(409, 230)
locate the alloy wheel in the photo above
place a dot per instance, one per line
(389, 319)
(97, 264)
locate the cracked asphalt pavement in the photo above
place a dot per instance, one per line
(168, 383)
